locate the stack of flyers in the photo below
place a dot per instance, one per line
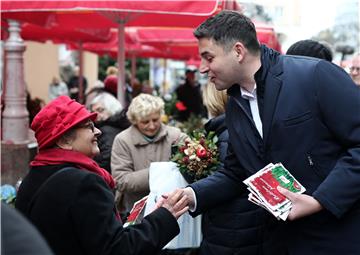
(263, 189)
(136, 211)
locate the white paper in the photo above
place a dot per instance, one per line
(165, 177)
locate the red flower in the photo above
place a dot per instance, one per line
(201, 153)
(182, 148)
(186, 160)
(180, 106)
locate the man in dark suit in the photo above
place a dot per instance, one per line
(300, 111)
(76, 81)
(190, 94)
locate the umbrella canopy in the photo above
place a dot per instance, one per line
(167, 42)
(185, 44)
(110, 13)
(267, 35)
(58, 34)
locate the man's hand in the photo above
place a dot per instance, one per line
(302, 205)
(190, 197)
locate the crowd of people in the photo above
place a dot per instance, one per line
(297, 108)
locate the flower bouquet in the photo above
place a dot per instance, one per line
(198, 157)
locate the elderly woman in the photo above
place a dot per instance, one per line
(146, 140)
(69, 198)
(111, 120)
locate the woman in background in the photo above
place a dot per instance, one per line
(111, 119)
(146, 140)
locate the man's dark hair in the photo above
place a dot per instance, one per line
(311, 48)
(227, 28)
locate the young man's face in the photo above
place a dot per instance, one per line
(220, 66)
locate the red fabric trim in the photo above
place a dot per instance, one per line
(56, 156)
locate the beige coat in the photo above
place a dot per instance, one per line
(130, 161)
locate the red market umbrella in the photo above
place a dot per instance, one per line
(182, 39)
(100, 14)
(184, 47)
(37, 33)
(110, 13)
(267, 35)
(167, 42)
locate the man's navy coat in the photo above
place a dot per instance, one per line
(311, 124)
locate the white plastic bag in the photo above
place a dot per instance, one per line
(165, 177)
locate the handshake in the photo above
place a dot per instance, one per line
(177, 202)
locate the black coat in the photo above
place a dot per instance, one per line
(109, 129)
(74, 82)
(75, 213)
(19, 236)
(192, 99)
(231, 227)
(311, 123)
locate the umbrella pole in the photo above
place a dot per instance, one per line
(133, 70)
(121, 88)
(164, 80)
(81, 76)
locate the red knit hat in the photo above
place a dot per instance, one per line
(57, 117)
(110, 84)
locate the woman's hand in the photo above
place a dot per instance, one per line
(176, 202)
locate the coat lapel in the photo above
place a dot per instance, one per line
(249, 131)
(272, 91)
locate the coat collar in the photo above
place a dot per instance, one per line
(269, 82)
(139, 139)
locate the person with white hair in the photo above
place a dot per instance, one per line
(111, 119)
(355, 69)
(146, 140)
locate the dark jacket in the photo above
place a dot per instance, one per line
(75, 213)
(74, 82)
(19, 236)
(109, 129)
(192, 99)
(231, 227)
(311, 123)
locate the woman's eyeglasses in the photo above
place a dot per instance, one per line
(88, 125)
(355, 68)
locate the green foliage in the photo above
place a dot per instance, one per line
(104, 62)
(142, 67)
(193, 123)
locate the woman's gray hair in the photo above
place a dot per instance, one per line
(109, 102)
(142, 106)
